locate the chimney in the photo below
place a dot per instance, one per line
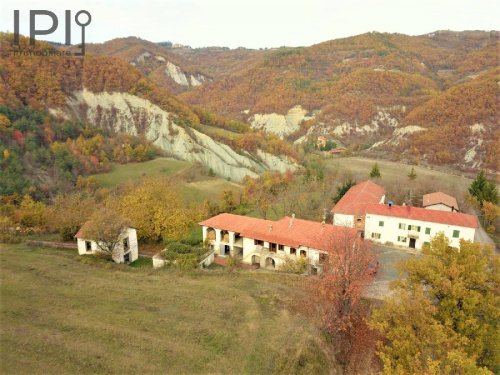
(404, 204)
(390, 203)
(270, 227)
(291, 221)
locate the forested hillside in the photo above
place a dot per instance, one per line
(375, 89)
(64, 117)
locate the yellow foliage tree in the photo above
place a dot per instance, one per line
(156, 209)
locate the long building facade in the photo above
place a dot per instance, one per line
(414, 227)
(270, 243)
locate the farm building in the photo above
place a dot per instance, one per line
(350, 210)
(440, 201)
(415, 226)
(126, 249)
(363, 208)
(269, 243)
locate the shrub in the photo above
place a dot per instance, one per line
(233, 262)
(298, 266)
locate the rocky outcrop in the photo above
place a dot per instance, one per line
(281, 125)
(120, 112)
(181, 78)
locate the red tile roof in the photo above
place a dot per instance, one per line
(438, 197)
(422, 214)
(357, 197)
(81, 232)
(300, 233)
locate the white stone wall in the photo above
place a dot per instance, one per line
(390, 231)
(250, 249)
(439, 207)
(118, 254)
(343, 220)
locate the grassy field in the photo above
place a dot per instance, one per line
(393, 172)
(133, 171)
(61, 313)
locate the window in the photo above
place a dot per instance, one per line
(402, 226)
(427, 230)
(272, 247)
(414, 227)
(376, 235)
(293, 250)
(456, 233)
(303, 253)
(258, 242)
(401, 239)
(88, 246)
(426, 243)
(359, 219)
(380, 223)
(281, 247)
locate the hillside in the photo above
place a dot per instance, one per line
(81, 316)
(107, 93)
(164, 67)
(364, 90)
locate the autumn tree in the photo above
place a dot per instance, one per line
(156, 209)
(30, 212)
(483, 189)
(106, 227)
(334, 297)
(491, 212)
(443, 317)
(375, 172)
(412, 175)
(68, 213)
(265, 191)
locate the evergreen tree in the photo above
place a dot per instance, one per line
(412, 175)
(375, 172)
(483, 189)
(341, 190)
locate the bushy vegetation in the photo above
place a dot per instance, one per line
(42, 155)
(443, 317)
(183, 256)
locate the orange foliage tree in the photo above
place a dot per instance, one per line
(334, 297)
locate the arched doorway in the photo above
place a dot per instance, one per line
(270, 263)
(210, 234)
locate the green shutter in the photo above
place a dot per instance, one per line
(427, 230)
(380, 223)
(456, 233)
(418, 229)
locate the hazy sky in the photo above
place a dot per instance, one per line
(256, 23)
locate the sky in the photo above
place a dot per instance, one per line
(253, 23)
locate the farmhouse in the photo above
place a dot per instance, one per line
(270, 243)
(415, 226)
(440, 201)
(363, 208)
(126, 249)
(350, 210)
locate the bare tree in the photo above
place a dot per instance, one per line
(105, 228)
